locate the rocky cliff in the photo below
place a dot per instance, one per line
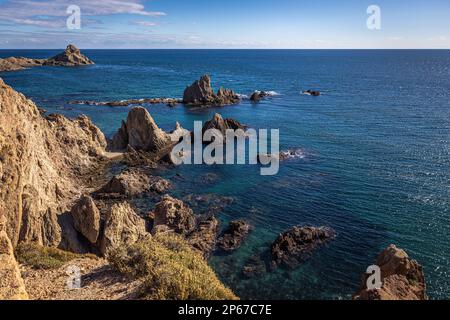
(43, 161)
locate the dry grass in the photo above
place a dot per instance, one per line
(170, 270)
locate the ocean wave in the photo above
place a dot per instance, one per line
(269, 93)
(296, 153)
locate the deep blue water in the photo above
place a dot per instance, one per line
(376, 145)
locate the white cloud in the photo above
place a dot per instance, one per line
(145, 23)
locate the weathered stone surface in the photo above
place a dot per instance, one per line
(122, 227)
(233, 237)
(72, 56)
(402, 278)
(140, 132)
(218, 123)
(42, 165)
(200, 93)
(204, 236)
(174, 214)
(19, 63)
(297, 245)
(86, 217)
(12, 286)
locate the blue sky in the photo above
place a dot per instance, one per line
(225, 24)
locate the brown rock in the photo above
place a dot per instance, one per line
(86, 218)
(174, 214)
(19, 63)
(204, 236)
(200, 93)
(233, 237)
(402, 278)
(140, 132)
(122, 227)
(218, 123)
(258, 95)
(72, 56)
(254, 267)
(297, 245)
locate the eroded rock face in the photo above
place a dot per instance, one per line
(218, 123)
(205, 235)
(72, 56)
(19, 63)
(42, 165)
(297, 245)
(200, 93)
(140, 132)
(122, 227)
(233, 237)
(402, 278)
(86, 218)
(132, 183)
(12, 286)
(174, 214)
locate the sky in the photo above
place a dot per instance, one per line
(250, 24)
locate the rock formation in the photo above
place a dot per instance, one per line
(69, 58)
(132, 183)
(125, 103)
(12, 286)
(86, 217)
(200, 93)
(140, 132)
(218, 123)
(122, 227)
(402, 278)
(233, 237)
(312, 93)
(174, 214)
(297, 245)
(258, 95)
(43, 163)
(254, 267)
(205, 235)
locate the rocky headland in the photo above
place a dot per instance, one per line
(70, 57)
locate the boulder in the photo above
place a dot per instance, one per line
(312, 93)
(298, 244)
(203, 238)
(233, 237)
(402, 278)
(174, 214)
(86, 218)
(218, 123)
(140, 132)
(132, 183)
(258, 95)
(122, 227)
(72, 56)
(200, 93)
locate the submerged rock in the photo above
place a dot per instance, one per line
(402, 278)
(312, 93)
(200, 93)
(254, 267)
(86, 218)
(298, 244)
(233, 237)
(72, 56)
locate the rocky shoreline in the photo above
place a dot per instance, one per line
(55, 193)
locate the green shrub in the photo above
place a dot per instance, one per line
(39, 257)
(170, 270)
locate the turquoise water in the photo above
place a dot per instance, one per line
(376, 146)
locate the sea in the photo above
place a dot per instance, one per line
(372, 152)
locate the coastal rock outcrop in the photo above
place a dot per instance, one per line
(313, 93)
(233, 237)
(132, 183)
(140, 132)
(43, 165)
(218, 123)
(200, 93)
(174, 214)
(12, 286)
(205, 235)
(402, 278)
(258, 95)
(71, 57)
(86, 217)
(122, 227)
(297, 245)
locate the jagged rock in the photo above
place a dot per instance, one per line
(174, 214)
(203, 238)
(140, 132)
(402, 278)
(233, 237)
(201, 93)
(297, 245)
(178, 133)
(132, 183)
(254, 267)
(43, 163)
(218, 123)
(122, 227)
(72, 56)
(86, 218)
